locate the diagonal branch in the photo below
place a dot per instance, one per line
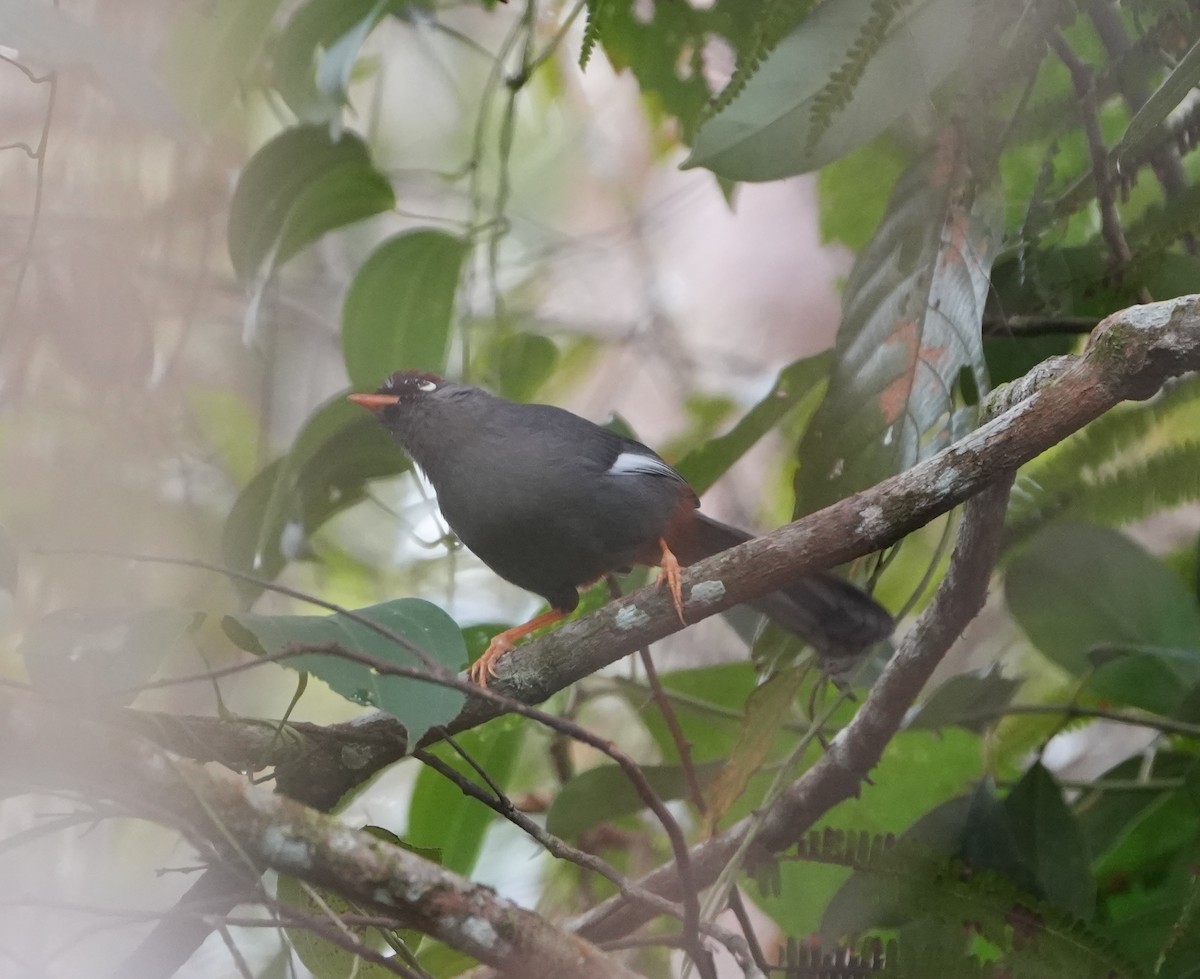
(260, 829)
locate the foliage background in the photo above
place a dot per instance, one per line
(200, 267)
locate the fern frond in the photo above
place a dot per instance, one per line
(777, 19)
(838, 91)
(1165, 480)
(591, 32)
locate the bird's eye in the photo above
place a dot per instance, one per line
(426, 385)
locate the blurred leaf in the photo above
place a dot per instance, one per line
(42, 35)
(418, 704)
(294, 189)
(837, 81)
(766, 710)
(974, 701)
(103, 654)
(316, 50)
(1079, 588)
(321, 957)
(9, 561)
(911, 319)
(604, 793)
(1011, 357)
(708, 704)
(399, 308)
(440, 816)
(852, 192)
(211, 54)
(521, 363)
(669, 46)
(340, 449)
(230, 425)
(1051, 842)
(705, 465)
(1176, 87)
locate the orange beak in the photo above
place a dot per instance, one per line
(373, 402)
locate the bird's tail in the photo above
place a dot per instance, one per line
(838, 619)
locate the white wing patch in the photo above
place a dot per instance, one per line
(639, 464)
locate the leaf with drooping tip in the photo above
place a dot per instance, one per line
(418, 704)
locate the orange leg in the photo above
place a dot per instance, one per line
(503, 642)
(673, 577)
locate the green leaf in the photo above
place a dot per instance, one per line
(852, 192)
(399, 309)
(912, 312)
(1051, 842)
(315, 53)
(338, 452)
(419, 704)
(522, 363)
(294, 189)
(1176, 87)
(321, 957)
(211, 54)
(1077, 589)
(814, 100)
(796, 383)
(974, 701)
(604, 793)
(767, 708)
(105, 654)
(440, 816)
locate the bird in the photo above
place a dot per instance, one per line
(552, 502)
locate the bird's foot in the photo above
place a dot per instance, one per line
(484, 668)
(672, 576)
(503, 642)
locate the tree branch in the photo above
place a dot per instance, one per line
(251, 825)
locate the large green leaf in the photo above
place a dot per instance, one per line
(399, 308)
(418, 704)
(912, 313)
(849, 71)
(1079, 589)
(440, 816)
(339, 450)
(294, 189)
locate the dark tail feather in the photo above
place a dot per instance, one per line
(837, 618)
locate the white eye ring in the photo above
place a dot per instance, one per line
(426, 386)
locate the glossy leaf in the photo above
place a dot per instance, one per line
(441, 817)
(294, 189)
(399, 309)
(604, 793)
(911, 319)
(1051, 842)
(418, 704)
(1079, 589)
(814, 100)
(105, 654)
